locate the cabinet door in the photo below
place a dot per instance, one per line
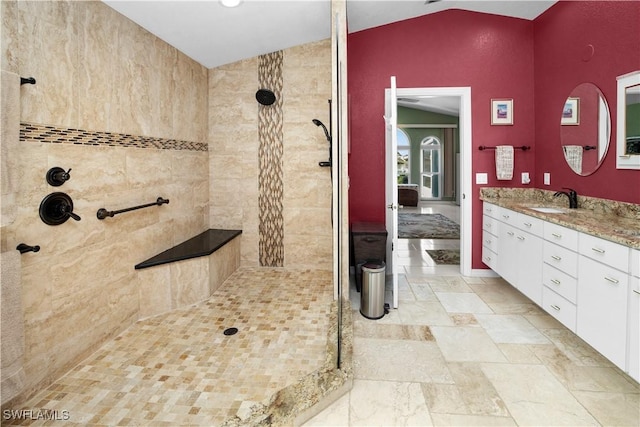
(602, 309)
(529, 264)
(633, 354)
(508, 260)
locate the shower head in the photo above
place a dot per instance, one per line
(326, 132)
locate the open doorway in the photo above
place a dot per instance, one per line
(456, 101)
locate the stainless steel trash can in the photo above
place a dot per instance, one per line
(372, 293)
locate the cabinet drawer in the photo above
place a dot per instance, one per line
(489, 209)
(561, 258)
(490, 224)
(559, 282)
(490, 241)
(560, 308)
(530, 224)
(600, 277)
(507, 216)
(562, 236)
(605, 251)
(489, 257)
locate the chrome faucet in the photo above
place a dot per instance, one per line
(571, 194)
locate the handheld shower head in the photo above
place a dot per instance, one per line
(326, 132)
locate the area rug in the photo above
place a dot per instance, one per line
(445, 256)
(426, 226)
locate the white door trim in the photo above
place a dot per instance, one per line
(465, 175)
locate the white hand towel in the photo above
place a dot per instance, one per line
(504, 162)
(573, 155)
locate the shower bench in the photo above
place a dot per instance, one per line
(203, 244)
(187, 273)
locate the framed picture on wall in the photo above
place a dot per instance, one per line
(502, 111)
(571, 112)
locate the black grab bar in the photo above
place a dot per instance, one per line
(103, 213)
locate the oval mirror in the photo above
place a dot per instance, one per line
(585, 129)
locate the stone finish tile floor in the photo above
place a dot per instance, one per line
(179, 368)
(469, 351)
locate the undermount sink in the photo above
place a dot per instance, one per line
(545, 209)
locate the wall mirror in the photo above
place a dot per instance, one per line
(585, 129)
(628, 127)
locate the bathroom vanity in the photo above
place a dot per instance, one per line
(582, 266)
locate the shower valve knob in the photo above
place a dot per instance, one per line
(68, 210)
(57, 176)
(57, 208)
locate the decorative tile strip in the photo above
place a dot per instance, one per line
(56, 135)
(270, 157)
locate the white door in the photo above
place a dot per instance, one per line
(391, 191)
(464, 171)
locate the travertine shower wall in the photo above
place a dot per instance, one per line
(97, 71)
(234, 142)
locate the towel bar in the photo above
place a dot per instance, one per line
(523, 148)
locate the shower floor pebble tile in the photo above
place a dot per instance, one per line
(179, 368)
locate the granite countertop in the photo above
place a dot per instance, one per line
(616, 221)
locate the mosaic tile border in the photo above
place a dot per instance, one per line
(58, 135)
(270, 156)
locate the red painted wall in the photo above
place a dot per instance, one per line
(491, 54)
(536, 63)
(564, 37)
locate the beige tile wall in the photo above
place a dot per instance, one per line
(179, 284)
(233, 149)
(96, 70)
(99, 71)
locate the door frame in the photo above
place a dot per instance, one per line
(464, 174)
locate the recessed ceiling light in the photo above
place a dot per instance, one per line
(230, 3)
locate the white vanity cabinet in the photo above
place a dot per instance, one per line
(633, 333)
(520, 249)
(589, 284)
(603, 279)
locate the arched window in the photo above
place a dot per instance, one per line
(431, 168)
(404, 158)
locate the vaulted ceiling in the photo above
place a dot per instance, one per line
(214, 35)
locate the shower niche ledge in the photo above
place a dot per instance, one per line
(187, 273)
